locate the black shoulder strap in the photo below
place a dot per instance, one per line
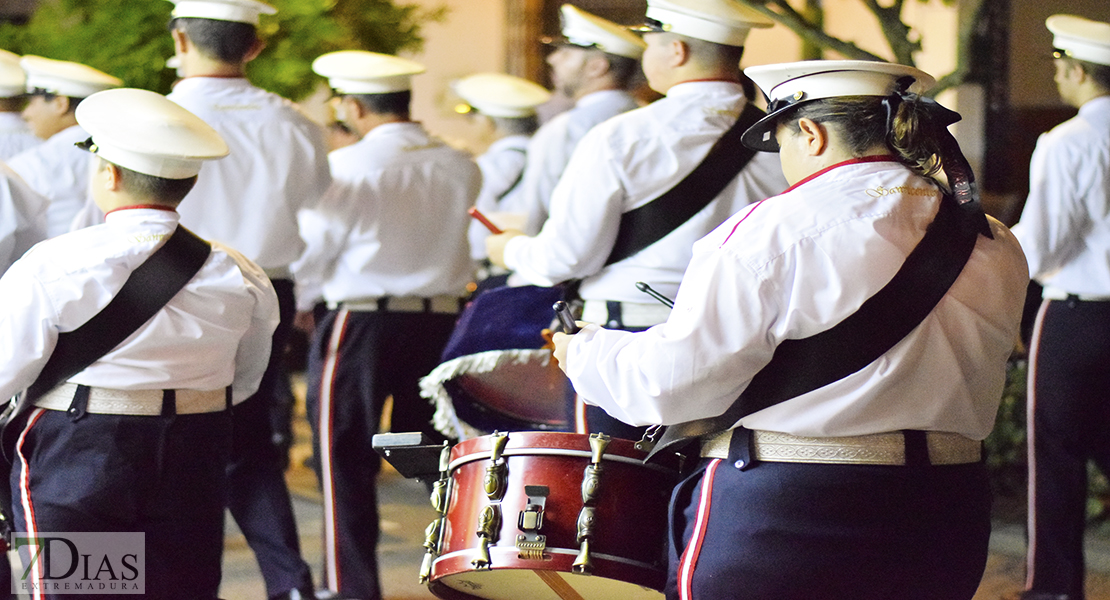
(801, 366)
(645, 225)
(146, 291)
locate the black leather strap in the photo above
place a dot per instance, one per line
(146, 291)
(643, 226)
(804, 365)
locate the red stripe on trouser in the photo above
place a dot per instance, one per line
(25, 498)
(689, 559)
(1031, 432)
(327, 411)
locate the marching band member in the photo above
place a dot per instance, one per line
(870, 486)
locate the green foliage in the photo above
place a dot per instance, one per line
(128, 38)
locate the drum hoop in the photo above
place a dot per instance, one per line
(566, 551)
(484, 455)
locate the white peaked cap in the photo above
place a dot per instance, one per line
(148, 133)
(581, 28)
(500, 95)
(1082, 39)
(362, 72)
(789, 84)
(12, 78)
(65, 78)
(239, 11)
(724, 22)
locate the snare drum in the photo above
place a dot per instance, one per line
(549, 515)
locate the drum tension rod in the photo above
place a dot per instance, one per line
(489, 521)
(433, 532)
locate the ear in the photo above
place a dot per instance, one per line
(59, 105)
(256, 48)
(353, 108)
(596, 65)
(181, 40)
(112, 180)
(814, 136)
(680, 52)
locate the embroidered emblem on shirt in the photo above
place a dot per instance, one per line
(879, 192)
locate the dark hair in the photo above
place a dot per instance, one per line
(226, 41)
(622, 69)
(48, 96)
(158, 189)
(1099, 73)
(706, 52)
(392, 103)
(861, 122)
(13, 103)
(517, 125)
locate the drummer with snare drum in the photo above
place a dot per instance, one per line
(865, 480)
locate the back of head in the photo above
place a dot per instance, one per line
(1085, 43)
(869, 104)
(510, 101)
(379, 82)
(224, 30)
(157, 145)
(48, 77)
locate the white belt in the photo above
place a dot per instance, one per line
(876, 449)
(106, 401)
(409, 304)
(1051, 293)
(633, 314)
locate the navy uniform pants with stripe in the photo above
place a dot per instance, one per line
(356, 361)
(162, 475)
(1069, 416)
(790, 531)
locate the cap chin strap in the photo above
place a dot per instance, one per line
(956, 169)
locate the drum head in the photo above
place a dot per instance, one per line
(517, 584)
(516, 396)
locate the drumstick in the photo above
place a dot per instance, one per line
(477, 214)
(650, 291)
(563, 312)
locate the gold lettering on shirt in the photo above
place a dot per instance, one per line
(905, 190)
(155, 237)
(427, 146)
(716, 111)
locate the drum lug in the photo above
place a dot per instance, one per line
(531, 544)
(494, 482)
(583, 564)
(431, 544)
(489, 523)
(434, 530)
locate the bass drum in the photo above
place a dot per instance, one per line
(549, 515)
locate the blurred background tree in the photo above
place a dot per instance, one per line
(128, 38)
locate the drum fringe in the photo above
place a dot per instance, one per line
(431, 385)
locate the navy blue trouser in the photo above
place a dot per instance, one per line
(162, 475)
(258, 497)
(356, 361)
(786, 531)
(1069, 424)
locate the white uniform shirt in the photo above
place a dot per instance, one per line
(60, 171)
(624, 164)
(551, 148)
(214, 333)
(394, 222)
(22, 217)
(502, 167)
(1065, 226)
(793, 266)
(15, 135)
(277, 166)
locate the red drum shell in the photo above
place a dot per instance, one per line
(628, 552)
